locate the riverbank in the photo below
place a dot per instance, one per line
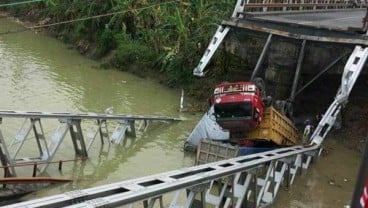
(159, 40)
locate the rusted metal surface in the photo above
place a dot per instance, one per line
(252, 25)
(42, 162)
(297, 5)
(267, 6)
(35, 165)
(365, 20)
(341, 20)
(29, 180)
(4, 162)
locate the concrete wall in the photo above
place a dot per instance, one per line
(281, 60)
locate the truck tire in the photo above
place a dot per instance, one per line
(261, 86)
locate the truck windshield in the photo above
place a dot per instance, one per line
(233, 110)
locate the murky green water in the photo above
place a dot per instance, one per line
(38, 73)
(328, 183)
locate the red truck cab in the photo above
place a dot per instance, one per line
(238, 106)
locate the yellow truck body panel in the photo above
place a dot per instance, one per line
(275, 127)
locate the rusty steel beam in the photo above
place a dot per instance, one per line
(305, 7)
(255, 27)
(261, 57)
(259, 12)
(31, 163)
(32, 180)
(280, 5)
(324, 70)
(297, 71)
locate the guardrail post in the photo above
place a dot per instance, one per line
(77, 137)
(60, 165)
(151, 202)
(34, 170)
(284, 8)
(254, 189)
(301, 7)
(132, 128)
(287, 176)
(193, 191)
(4, 163)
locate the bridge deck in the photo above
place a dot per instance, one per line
(336, 20)
(66, 115)
(344, 27)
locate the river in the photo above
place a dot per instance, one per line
(39, 73)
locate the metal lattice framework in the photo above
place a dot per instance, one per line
(252, 180)
(264, 7)
(82, 139)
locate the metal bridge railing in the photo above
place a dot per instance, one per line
(265, 6)
(84, 129)
(248, 180)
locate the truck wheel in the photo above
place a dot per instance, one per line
(261, 86)
(289, 110)
(268, 101)
(284, 107)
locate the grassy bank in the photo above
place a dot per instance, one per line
(160, 39)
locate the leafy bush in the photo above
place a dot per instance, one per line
(167, 37)
(132, 52)
(106, 42)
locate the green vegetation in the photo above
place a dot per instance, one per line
(168, 37)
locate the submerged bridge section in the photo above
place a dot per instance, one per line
(84, 128)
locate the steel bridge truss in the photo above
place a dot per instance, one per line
(244, 7)
(352, 70)
(247, 180)
(82, 139)
(284, 6)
